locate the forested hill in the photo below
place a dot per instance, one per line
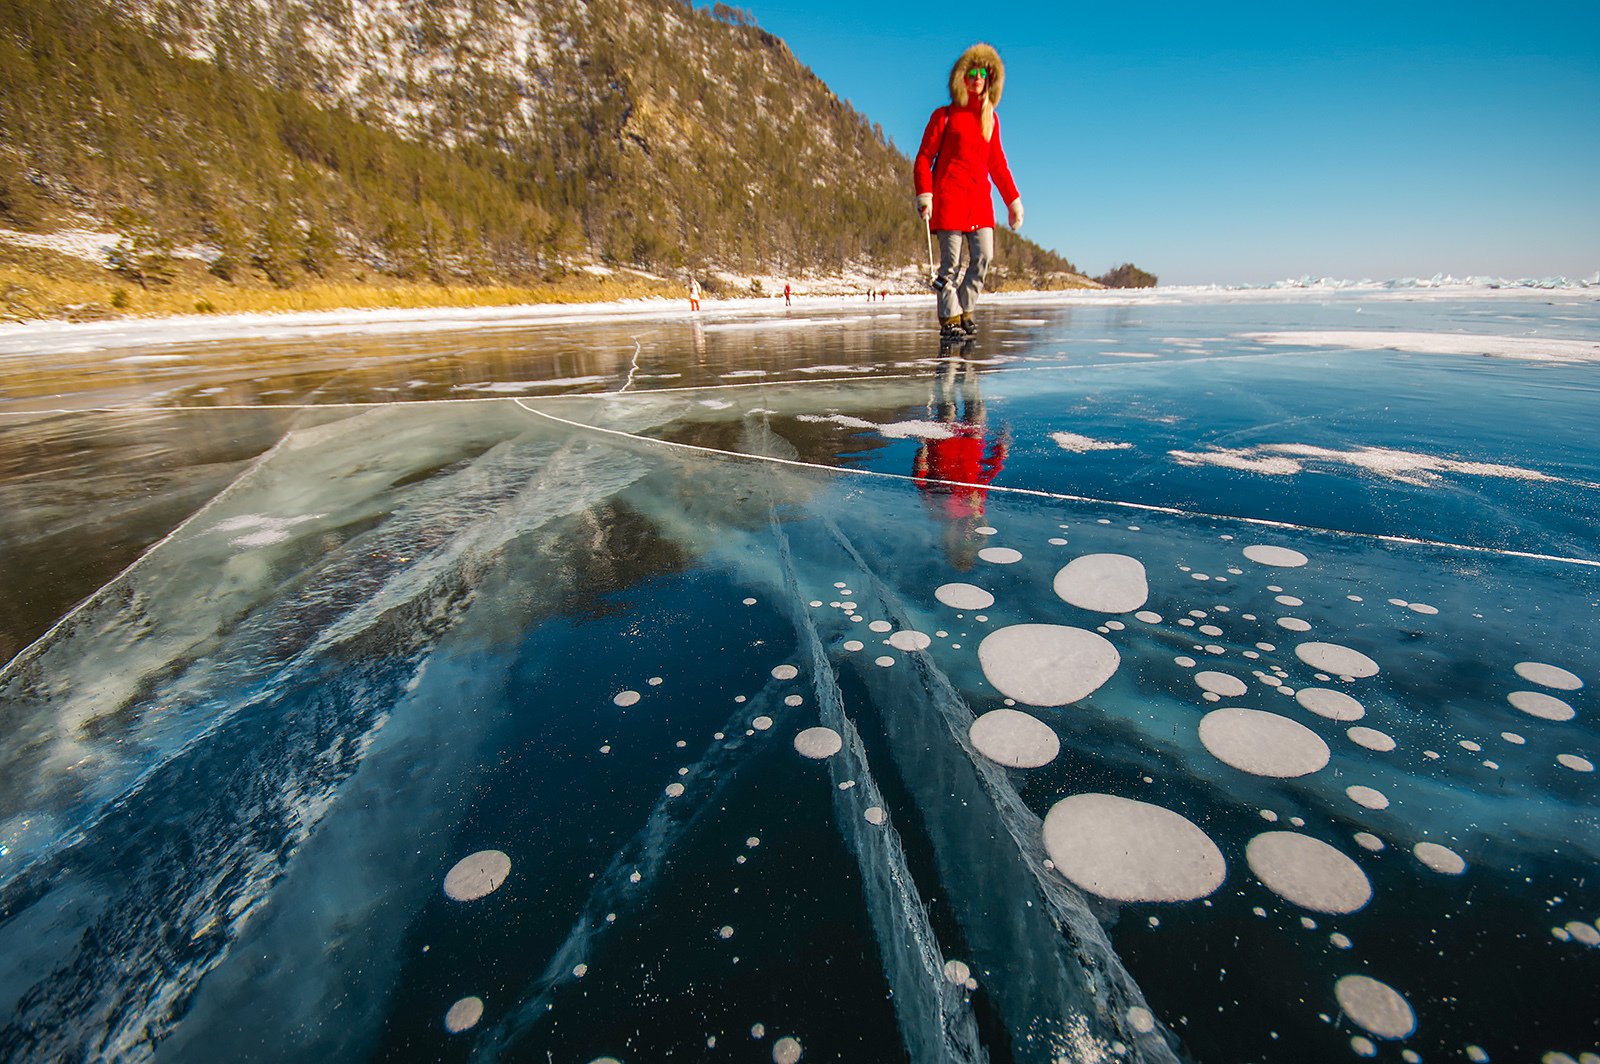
(463, 141)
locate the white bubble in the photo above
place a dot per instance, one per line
(1362, 1046)
(1210, 629)
(725, 931)
(477, 875)
(1185, 661)
(1326, 702)
(1293, 624)
(1283, 557)
(674, 790)
(1339, 660)
(1046, 664)
(464, 1015)
(909, 640)
(1289, 600)
(1368, 841)
(1127, 850)
(753, 841)
(749, 602)
(761, 723)
(875, 815)
(854, 645)
(1269, 816)
(1371, 738)
(626, 698)
(1141, 1019)
(1057, 541)
(1441, 859)
(1548, 675)
(1220, 683)
(1477, 1055)
(580, 970)
(1308, 872)
(1367, 797)
(1513, 738)
(1148, 617)
(1543, 706)
(1575, 763)
(818, 743)
(1588, 934)
(1105, 583)
(963, 596)
(883, 662)
(1014, 739)
(1261, 743)
(881, 626)
(1375, 1007)
(1340, 940)
(786, 1051)
(957, 972)
(758, 1030)
(785, 672)
(1469, 746)
(1422, 608)
(816, 602)
(1000, 555)
(986, 530)
(794, 700)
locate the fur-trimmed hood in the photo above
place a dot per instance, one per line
(983, 55)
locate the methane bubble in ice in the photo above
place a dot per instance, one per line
(881, 626)
(464, 1015)
(1575, 763)
(909, 640)
(1261, 743)
(1308, 872)
(477, 875)
(963, 596)
(1543, 706)
(1220, 683)
(854, 645)
(1000, 555)
(1105, 583)
(674, 790)
(1324, 702)
(1141, 1019)
(785, 672)
(1548, 675)
(1367, 797)
(1441, 859)
(957, 972)
(884, 662)
(1283, 557)
(1127, 850)
(786, 1051)
(1148, 617)
(1341, 661)
(1014, 739)
(1371, 738)
(761, 723)
(1368, 841)
(818, 743)
(626, 698)
(1375, 1007)
(1046, 664)
(875, 815)
(1293, 624)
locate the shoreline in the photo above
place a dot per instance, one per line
(60, 337)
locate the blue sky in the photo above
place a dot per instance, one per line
(1250, 143)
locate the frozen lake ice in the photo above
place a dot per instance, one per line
(1163, 676)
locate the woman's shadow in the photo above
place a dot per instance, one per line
(954, 471)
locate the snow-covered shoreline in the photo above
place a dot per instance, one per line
(29, 339)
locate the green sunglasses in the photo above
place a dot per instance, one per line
(977, 72)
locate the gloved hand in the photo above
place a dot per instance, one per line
(925, 206)
(1014, 209)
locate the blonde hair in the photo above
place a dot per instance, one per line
(983, 55)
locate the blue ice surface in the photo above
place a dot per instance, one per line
(237, 774)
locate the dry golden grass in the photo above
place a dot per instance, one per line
(30, 294)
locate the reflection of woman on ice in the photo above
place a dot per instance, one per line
(954, 472)
(960, 154)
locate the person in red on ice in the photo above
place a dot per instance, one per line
(959, 156)
(786, 293)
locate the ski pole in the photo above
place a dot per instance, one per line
(933, 276)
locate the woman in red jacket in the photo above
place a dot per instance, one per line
(960, 154)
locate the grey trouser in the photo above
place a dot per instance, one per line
(960, 297)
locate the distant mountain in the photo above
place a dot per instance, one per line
(460, 141)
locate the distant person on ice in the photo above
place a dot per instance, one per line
(960, 154)
(694, 294)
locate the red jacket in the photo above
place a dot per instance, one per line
(957, 469)
(956, 164)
